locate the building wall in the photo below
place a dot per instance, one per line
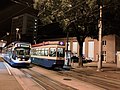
(96, 43)
(26, 25)
(17, 22)
(110, 46)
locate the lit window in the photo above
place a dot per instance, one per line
(60, 52)
(52, 52)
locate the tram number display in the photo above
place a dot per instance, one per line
(24, 45)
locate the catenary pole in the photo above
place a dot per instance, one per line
(100, 41)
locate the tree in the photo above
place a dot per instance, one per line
(79, 17)
(76, 16)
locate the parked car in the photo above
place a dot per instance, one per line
(74, 59)
(85, 60)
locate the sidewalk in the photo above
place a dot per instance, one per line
(95, 64)
(109, 69)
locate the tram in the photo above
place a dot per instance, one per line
(17, 54)
(48, 54)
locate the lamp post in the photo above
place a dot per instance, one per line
(17, 34)
(67, 49)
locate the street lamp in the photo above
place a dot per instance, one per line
(7, 34)
(2, 41)
(17, 29)
(17, 34)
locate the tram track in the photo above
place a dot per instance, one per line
(47, 83)
(44, 82)
(100, 81)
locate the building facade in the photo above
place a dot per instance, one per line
(110, 46)
(23, 26)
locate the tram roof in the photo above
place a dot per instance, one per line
(49, 43)
(13, 43)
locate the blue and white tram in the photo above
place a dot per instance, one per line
(18, 54)
(48, 54)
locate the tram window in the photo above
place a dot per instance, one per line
(42, 52)
(52, 52)
(46, 51)
(27, 52)
(33, 52)
(39, 52)
(14, 55)
(22, 51)
(60, 52)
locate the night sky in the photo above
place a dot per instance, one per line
(10, 9)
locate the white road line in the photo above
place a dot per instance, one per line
(7, 68)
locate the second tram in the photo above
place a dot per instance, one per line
(48, 54)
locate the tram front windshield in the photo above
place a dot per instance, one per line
(22, 51)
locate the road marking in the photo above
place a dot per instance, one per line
(7, 68)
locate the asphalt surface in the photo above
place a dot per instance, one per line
(9, 82)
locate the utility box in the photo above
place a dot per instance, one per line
(118, 59)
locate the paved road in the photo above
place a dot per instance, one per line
(12, 81)
(7, 80)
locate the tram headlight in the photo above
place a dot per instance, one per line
(19, 59)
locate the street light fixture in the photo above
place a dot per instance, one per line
(7, 34)
(2, 41)
(17, 29)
